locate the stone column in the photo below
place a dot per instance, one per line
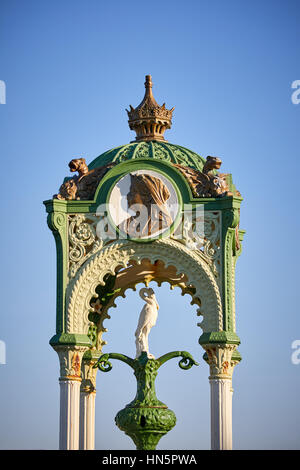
(219, 358)
(87, 406)
(70, 380)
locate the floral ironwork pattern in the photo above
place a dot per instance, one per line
(83, 240)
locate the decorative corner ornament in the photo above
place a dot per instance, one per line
(206, 183)
(83, 185)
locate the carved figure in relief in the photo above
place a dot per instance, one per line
(151, 195)
(147, 320)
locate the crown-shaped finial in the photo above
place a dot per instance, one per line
(149, 120)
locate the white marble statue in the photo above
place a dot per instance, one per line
(147, 319)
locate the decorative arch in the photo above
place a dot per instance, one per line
(119, 253)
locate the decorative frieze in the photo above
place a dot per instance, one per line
(200, 231)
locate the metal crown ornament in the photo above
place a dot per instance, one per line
(149, 120)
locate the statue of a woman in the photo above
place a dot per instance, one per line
(147, 319)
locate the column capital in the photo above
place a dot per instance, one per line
(89, 375)
(70, 358)
(222, 358)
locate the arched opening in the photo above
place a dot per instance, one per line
(160, 262)
(116, 285)
(168, 260)
(184, 392)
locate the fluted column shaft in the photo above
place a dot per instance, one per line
(221, 365)
(69, 414)
(87, 420)
(87, 405)
(221, 414)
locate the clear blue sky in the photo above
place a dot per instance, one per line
(71, 68)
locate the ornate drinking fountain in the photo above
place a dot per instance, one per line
(189, 235)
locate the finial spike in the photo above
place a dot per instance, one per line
(148, 88)
(148, 82)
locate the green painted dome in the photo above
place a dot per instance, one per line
(157, 150)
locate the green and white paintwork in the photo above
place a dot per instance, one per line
(84, 261)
